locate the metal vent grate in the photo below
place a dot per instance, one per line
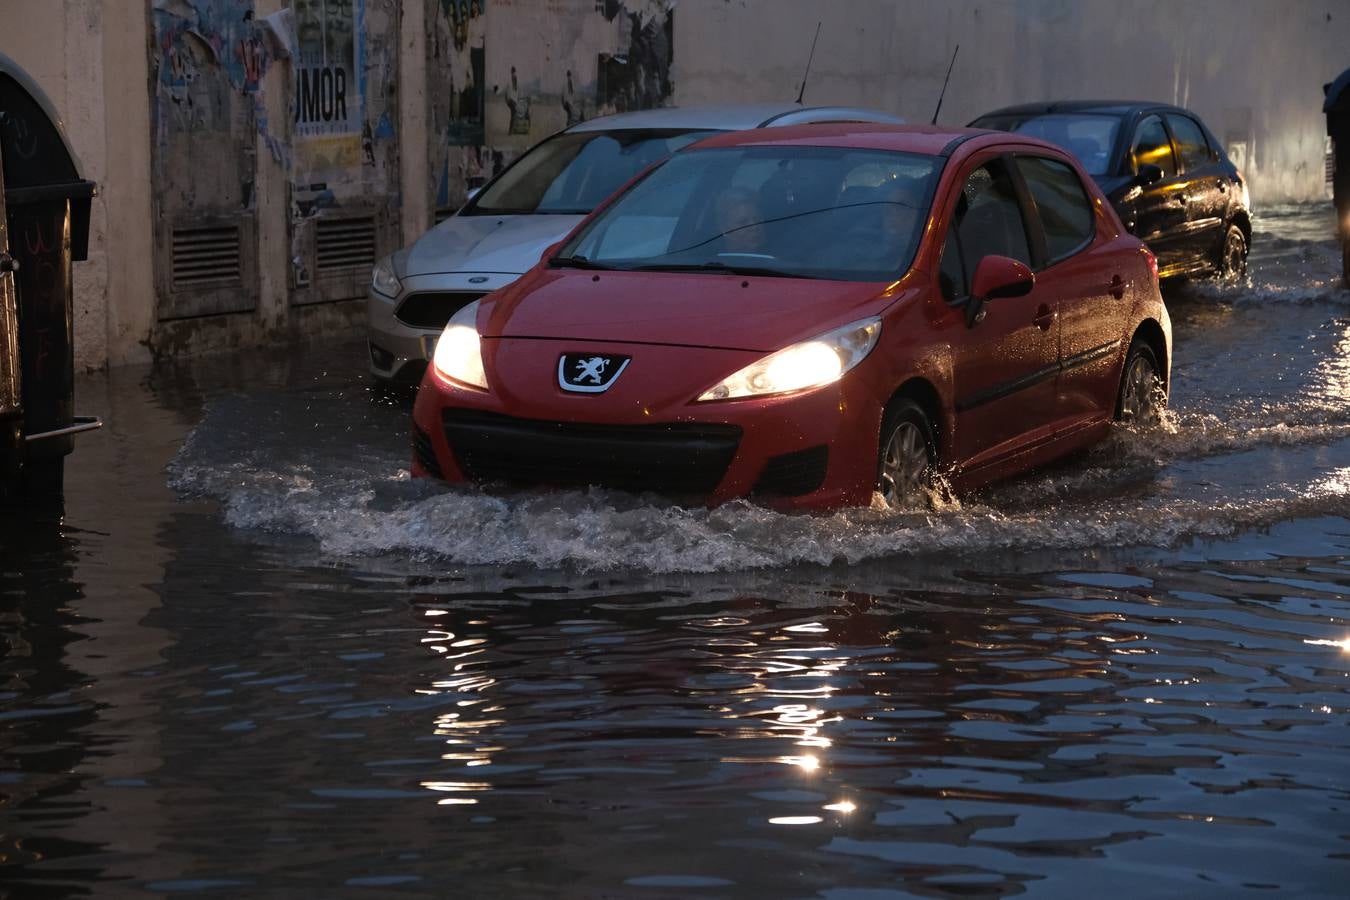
(205, 256)
(344, 244)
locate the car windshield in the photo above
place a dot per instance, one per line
(1088, 136)
(571, 173)
(807, 212)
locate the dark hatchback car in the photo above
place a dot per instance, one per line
(1162, 169)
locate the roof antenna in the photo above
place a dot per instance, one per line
(802, 92)
(944, 84)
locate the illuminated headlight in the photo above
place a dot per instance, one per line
(459, 355)
(820, 361)
(383, 279)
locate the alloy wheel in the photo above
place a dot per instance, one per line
(1139, 400)
(904, 467)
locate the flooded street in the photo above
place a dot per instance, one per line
(252, 657)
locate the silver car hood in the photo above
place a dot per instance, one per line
(506, 244)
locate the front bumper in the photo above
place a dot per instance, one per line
(811, 450)
(398, 350)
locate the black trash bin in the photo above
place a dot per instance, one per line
(1336, 105)
(44, 226)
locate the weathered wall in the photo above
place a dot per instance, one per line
(193, 111)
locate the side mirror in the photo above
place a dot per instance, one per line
(996, 277)
(1001, 276)
(473, 192)
(1148, 174)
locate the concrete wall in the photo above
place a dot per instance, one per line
(457, 88)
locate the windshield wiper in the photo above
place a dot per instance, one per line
(719, 268)
(575, 262)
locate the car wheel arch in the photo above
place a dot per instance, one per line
(1152, 334)
(923, 392)
(1244, 223)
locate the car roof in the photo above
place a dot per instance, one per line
(1112, 107)
(930, 140)
(733, 117)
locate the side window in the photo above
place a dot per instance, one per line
(1064, 207)
(1152, 146)
(987, 221)
(1191, 143)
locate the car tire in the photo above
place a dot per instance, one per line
(906, 456)
(1233, 255)
(1143, 394)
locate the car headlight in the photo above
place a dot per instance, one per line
(459, 354)
(383, 279)
(821, 360)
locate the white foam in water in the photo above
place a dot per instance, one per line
(351, 512)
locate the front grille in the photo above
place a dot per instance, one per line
(670, 459)
(434, 308)
(424, 453)
(206, 256)
(794, 474)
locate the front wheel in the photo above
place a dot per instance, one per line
(1233, 256)
(907, 456)
(1142, 396)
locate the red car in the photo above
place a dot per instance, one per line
(809, 316)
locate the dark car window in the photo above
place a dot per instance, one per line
(1064, 207)
(1191, 142)
(1152, 146)
(987, 221)
(572, 173)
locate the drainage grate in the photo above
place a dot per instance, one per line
(344, 244)
(205, 256)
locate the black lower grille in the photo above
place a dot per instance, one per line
(433, 308)
(794, 474)
(424, 453)
(673, 458)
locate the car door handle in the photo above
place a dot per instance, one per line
(1223, 185)
(1117, 287)
(1045, 317)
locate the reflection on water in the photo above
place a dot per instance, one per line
(292, 686)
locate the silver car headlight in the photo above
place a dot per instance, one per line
(459, 353)
(809, 364)
(383, 279)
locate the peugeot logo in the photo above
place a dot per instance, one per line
(588, 374)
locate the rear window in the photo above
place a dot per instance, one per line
(1088, 136)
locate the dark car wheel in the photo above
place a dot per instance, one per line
(1233, 256)
(1143, 396)
(906, 456)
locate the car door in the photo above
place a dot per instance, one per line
(9, 325)
(1088, 279)
(1203, 193)
(1005, 362)
(1157, 212)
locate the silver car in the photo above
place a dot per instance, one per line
(504, 229)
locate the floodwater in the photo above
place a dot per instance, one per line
(251, 657)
